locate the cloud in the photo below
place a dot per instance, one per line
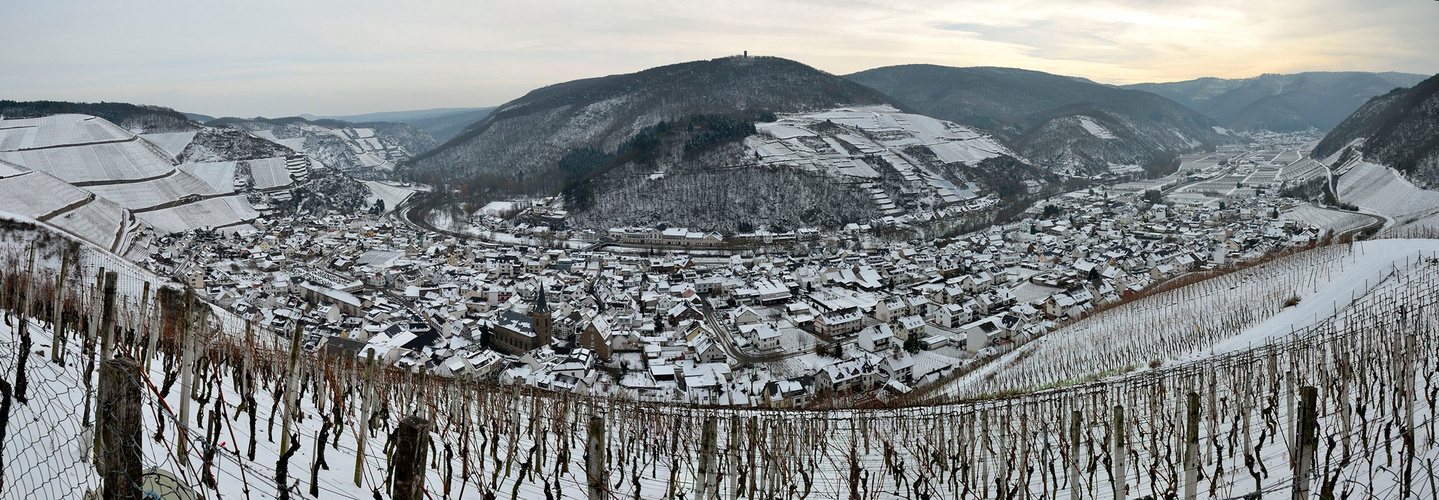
(334, 57)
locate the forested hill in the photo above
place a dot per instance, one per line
(517, 148)
(142, 118)
(1400, 129)
(1069, 125)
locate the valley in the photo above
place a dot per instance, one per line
(731, 278)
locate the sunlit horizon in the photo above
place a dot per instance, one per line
(336, 58)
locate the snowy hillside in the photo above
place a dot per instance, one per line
(1365, 372)
(873, 139)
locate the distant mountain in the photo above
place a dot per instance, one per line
(337, 143)
(1069, 125)
(1281, 103)
(440, 123)
(1400, 129)
(139, 117)
(518, 147)
(198, 118)
(395, 116)
(445, 127)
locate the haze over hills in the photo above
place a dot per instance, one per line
(440, 123)
(1069, 125)
(1399, 129)
(1281, 103)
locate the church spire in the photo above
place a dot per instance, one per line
(541, 306)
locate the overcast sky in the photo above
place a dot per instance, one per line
(279, 58)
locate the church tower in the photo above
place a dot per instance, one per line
(540, 317)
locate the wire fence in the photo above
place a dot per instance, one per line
(225, 409)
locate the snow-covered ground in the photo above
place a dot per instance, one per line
(1336, 221)
(1385, 191)
(172, 142)
(58, 130)
(515, 443)
(148, 194)
(225, 211)
(1217, 315)
(391, 193)
(270, 173)
(810, 141)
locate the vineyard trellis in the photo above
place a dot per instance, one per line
(213, 396)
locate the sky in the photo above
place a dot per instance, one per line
(282, 58)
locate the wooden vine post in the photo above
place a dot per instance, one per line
(1306, 441)
(291, 380)
(1191, 449)
(598, 481)
(186, 376)
(1118, 453)
(363, 424)
(412, 446)
(120, 431)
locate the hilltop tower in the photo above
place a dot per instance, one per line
(540, 317)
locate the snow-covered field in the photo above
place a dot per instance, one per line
(220, 176)
(151, 193)
(212, 212)
(1383, 190)
(100, 221)
(172, 142)
(1093, 128)
(1195, 320)
(128, 160)
(809, 141)
(1336, 221)
(270, 173)
(36, 194)
(58, 130)
(392, 194)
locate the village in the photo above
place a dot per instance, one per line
(775, 326)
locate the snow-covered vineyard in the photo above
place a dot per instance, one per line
(1370, 433)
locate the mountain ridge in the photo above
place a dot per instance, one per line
(1281, 102)
(1040, 114)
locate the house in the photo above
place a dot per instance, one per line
(839, 322)
(898, 366)
(681, 312)
(909, 326)
(596, 337)
(877, 338)
(983, 333)
(845, 377)
(708, 351)
(764, 336)
(792, 393)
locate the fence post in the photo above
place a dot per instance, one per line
(107, 321)
(708, 486)
(412, 444)
(1306, 441)
(186, 374)
(595, 459)
(1074, 419)
(364, 422)
(290, 381)
(1191, 449)
(57, 315)
(120, 429)
(1118, 453)
(142, 324)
